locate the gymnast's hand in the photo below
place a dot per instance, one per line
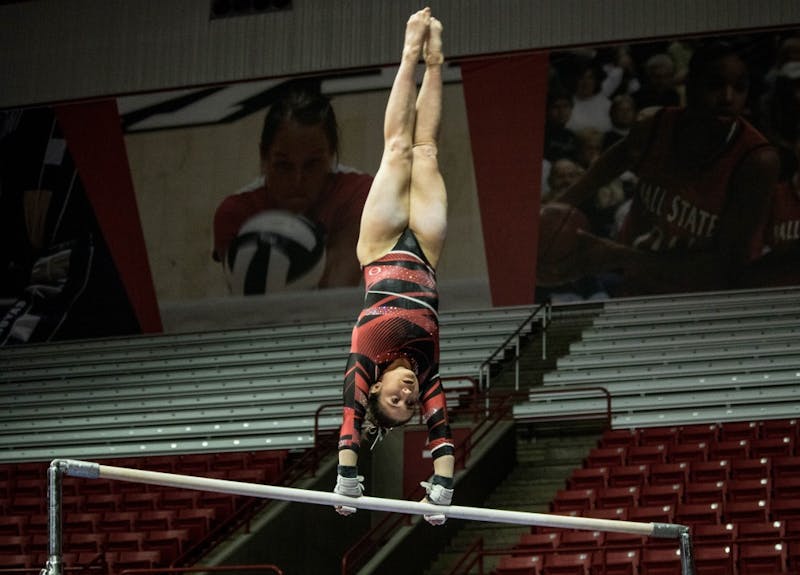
(440, 492)
(349, 483)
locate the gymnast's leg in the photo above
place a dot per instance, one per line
(428, 198)
(386, 211)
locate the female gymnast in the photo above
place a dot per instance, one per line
(393, 366)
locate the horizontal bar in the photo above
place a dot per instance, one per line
(94, 471)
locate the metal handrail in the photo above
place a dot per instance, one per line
(485, 366)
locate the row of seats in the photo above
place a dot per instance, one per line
(706, 432)
(741, 559)
(126, 524)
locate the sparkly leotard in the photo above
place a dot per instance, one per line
(399, 319)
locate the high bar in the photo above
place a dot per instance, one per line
(91, 470)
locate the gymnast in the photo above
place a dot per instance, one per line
(393, 366)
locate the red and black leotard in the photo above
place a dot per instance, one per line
(399, 319)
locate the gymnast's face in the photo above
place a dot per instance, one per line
(297, 166)
(398, 393)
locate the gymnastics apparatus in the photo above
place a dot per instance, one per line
(88, 470)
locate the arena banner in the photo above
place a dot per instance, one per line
(588, 173)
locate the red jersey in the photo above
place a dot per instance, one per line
(338, 207)
(399, 319)
(675, 208)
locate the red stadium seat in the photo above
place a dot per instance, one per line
(171, 542)
(753, 468)
(573, 500)
(618, 540)
(780, 428)
(761, 558)
(12, 525)
(117, 521)
(528, 565)
(578, 563)
(606, 457)
(713, 470)
(616, 562)
(786, 488)
(531, 543)
(136, 560)
(160, 520)
(748, 489)
(618, 438)
(616, 514)
(689, 451)
(725, 533)
(628, 475)
(85, 542)
(588, 478)
(668, 473)
(729, 449)
(652, 514)
(785, 466)
(704, 492)
(119, 541)
(760, 530)
(736, 430)
(698, 513)
(141, 500)
(740, 511)
(582, 539)
(773, 447)
(646, 454)
(179, 499)
(705, 432)
(784, 509)
(197, 521)
(13, 545)
(613, 497)
(714, 559)
(664, 436)
(660, 561)
(81, 522)
(668, 494)
(102, 503)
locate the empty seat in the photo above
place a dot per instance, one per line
(530, 543)
(124, 541)
(606, 457)
(81, 522)
(668, 494)
(760, 530)
(786, 488)
(628, 475)
(588, 478)
(688, 451)
(179, 499)
(85, 542)
(12, 525)
(729, 449)
(581, 539)
(652, 514)
(784, 509)
(761, 558)
(713, 470)
(160, 520)
(117, 521)
(669, 473)
(616, 562)
(578, 563)
(613, 497)
(618, 438)
(197, 521)
(698, 513)
(14, 545)
(725, 533)
(615, 539)
(748, 489)
(141, 500)
(103, 502)
(136, 560)
(664, 436)
(658, 561)
(714, 559)
(646, 454)
(785, 466)
(704, 492)
(753, 468)
(512, 565)
(740, 511)
(773, 446)
(171, 542)
(780, 428)
(736, 430)
(701, 432)
(573, 500)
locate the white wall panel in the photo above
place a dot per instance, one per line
(54, 50)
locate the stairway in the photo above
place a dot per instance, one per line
(546, 453)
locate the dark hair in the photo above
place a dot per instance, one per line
(303, 103)
(703, 58)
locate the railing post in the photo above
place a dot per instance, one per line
(53, 565)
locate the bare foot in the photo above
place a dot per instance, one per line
(416, 33)
(433, 46)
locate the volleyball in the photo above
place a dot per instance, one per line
(275, 251)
